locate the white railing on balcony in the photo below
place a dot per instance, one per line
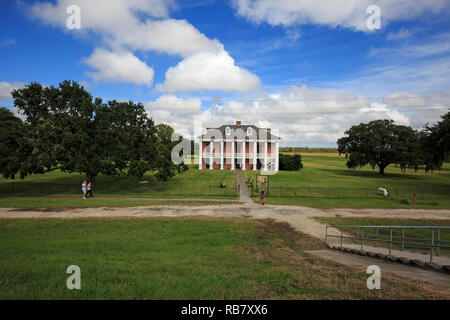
(238, 155)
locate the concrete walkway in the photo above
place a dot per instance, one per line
(385, 266)
(244, 193)
(410, 255)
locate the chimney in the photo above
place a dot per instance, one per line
(238, 123)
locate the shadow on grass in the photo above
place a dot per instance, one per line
(371, 174)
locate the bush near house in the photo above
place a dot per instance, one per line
(290, 162)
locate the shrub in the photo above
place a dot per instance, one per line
(290, 162)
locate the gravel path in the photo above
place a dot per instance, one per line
(300, 218)
(129, 198)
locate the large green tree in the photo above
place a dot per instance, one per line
(436, 143)
(164, 164)
(381, 143)
(14, 145)
(71, 131)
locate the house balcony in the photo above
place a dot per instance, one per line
(238, 155)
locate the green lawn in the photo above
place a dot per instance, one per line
(325, 181)
(396, 233)
(183, 258)
(192, 183)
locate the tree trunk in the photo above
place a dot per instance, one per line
(382, 167)
(90, 178)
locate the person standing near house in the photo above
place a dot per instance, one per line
(84, 189)
(263, 194)
(89, 189)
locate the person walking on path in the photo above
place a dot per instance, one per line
(262, 195)
(89, 189)
(84, 189)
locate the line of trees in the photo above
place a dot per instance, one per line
(67, 129)
(381, 143)
(308, 150)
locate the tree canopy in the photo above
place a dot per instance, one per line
(381, 143)
(436, 143)
(67, 129)
(14, 146)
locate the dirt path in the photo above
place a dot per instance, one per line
(244, 193)
(129, 198)
(301, 218)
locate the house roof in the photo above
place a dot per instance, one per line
(238, 132)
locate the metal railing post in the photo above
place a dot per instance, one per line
(341, 238)
(438, 241)
(390, 241)
(403, 239)
(362, 238)
(431, 247)
(377, 238)
(326, 235)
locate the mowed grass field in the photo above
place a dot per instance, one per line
(193, 183)
(325, 181)
(179, 258)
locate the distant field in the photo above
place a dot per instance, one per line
(192, 183)
(179, 258)
(325, 181)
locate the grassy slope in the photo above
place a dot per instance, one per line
(325, 181)
(186, 258)
(192, 183)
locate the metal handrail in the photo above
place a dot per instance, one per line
(391, 239)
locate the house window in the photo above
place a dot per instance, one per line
(227, 131)
(249, 131)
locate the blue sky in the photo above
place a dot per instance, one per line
(308, 69)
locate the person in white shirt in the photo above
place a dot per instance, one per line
(84, 189)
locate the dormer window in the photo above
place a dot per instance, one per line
(249, 131)
(227, 131)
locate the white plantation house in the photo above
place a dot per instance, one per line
(238, 146)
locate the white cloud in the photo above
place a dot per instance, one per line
(101, 15)
(121, 66)
(403, 99)
(303, 115)
(400, 34)
(177, 112)
(118, 22)
(175, 104)
(436, 45)
(175, 37)
(421, 109)
(210, 71)
(393, 74)
(334, 13)
(144, 25)
(7, 87)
